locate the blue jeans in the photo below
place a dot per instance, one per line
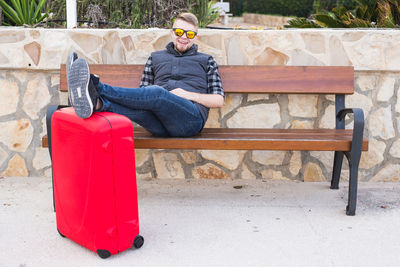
(154, 108)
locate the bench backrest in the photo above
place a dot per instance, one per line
(246, 79)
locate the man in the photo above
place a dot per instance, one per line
(178, 87)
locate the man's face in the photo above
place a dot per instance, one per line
(182, 43)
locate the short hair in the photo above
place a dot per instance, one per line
(189, 18)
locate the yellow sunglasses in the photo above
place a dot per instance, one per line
(180, 32)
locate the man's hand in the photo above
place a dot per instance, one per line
(207, 100)
(182, 93)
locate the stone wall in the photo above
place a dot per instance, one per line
(29, 81)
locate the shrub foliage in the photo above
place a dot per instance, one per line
(134, 13)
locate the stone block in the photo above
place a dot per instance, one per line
(353, 36)
(36, 97)
(390, 173)
(113, 51)
(234, 51)
(314, 42)
(41, 159)
(338, 55)
(328, 120)
(313, 173)
(295, 163)
(381, 123)
(272, 174)
(256, 116)
(374, 155)
(213, 120)
(128, 43)
(16, 167)
(48, 173)
(58, 40)
(34, 51)
(395, 149)
(325, 157)
(168, 166)
(330, 98)
(298, 124)
(391, 52)
(160, 42)
(34, 34)
(256, 97)
(268, 157)
(3, 156)
(212, 40)
(367, 83)
(3, 59)
(246, 173)
(232, 101)
(88, 43)
(303, 106)
(386, 90)
(367, 54)
(55, 80)
(229, 159)
(9, 96)
(44, 127)
(302, 58)
(359, 101)
(11, 36)
(271, 57)
(209, 171)
(16, 135)
(141, 156)
(189, 157)
(144, 176)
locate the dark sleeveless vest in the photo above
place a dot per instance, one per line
(187, 71)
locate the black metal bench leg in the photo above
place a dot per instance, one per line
(353, 182)
(337, 169)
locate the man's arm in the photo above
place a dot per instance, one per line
(207, 100)
(215, 94)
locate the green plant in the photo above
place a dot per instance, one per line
(204, 11)
(302, 23)
(367, 13)
(24, 12)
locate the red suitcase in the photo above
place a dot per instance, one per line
(94, 180)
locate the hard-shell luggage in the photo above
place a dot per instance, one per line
(94, 180)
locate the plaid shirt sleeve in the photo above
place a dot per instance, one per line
(148, 74)
(214, 83)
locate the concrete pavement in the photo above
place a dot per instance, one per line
(210, 223)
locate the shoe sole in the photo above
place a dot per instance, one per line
(78, 78)
(70, 60)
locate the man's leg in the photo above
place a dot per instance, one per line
(144, 118)
(179, 116)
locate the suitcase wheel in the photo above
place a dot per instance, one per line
(139, 240)
(60, 233)
(104, 254)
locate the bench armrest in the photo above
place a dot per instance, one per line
(358, 129)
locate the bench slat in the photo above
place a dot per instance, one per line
(246, 79)
(253, 139)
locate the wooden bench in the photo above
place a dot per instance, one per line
(338, 81)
